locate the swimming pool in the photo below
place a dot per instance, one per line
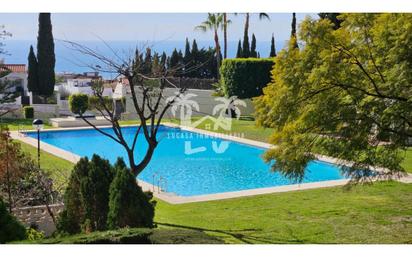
(191, 163)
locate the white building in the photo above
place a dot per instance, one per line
(18, 76)
(80, 83)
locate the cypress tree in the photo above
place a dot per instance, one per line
(272, 47)
(187, 56)
(129, 206)
(87, 196)
(32, 78)
(239, 50)
(147, 63)
(253, 52)
(174, 60)
(195, 60)
(293, 33)
(45, 56)
(245, 48)
(163, 61)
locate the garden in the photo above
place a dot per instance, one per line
(340, 88)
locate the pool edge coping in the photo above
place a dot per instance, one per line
(176, 199)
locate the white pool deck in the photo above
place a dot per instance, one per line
(175, 199)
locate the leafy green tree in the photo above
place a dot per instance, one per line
(272, 47)
(253, 52)
(45, 56)
(32, 78)
(129, 206)
(333, 17)
(342, 94)
(10, 228)
(239, 53)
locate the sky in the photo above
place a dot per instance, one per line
(154, 27)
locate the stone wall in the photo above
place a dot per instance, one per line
(38, 216)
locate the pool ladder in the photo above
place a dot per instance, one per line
(161, 183)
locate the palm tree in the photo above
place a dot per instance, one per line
(214, 22)
(262, 16)
(225, 22)
(186, 105)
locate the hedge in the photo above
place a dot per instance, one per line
(133, 236)
(28, 112)
(245, 77)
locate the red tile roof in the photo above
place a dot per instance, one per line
(19, 68)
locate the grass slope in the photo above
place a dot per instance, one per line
(380, 213)
(59, 169)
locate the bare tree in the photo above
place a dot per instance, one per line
(147, 95)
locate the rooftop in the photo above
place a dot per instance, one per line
(19, 68)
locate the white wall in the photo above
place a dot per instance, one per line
(204, 98)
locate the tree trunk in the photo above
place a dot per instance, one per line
(225, 35)
(137, 169)
(217, 53)
(247, 24)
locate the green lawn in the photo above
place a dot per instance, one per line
(59, 169)
(16, 124)
(381, 213)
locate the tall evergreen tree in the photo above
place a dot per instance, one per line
(129, 206)
(163, 61)
(272, 47)
(45, 56)
(147, 63)
(239, 53)
(195, 60)
(32, 78)
(293, 32)
(253, 52)
(187, 56)
(174, 60)
(245, 47)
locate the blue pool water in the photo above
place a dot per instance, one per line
(239, 167)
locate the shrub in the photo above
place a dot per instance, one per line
(245, 77)
(87, 196)
(129, 206)
(10, 228)
(33, 235)
(28, 112)
(95, 102)
(78, 103)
